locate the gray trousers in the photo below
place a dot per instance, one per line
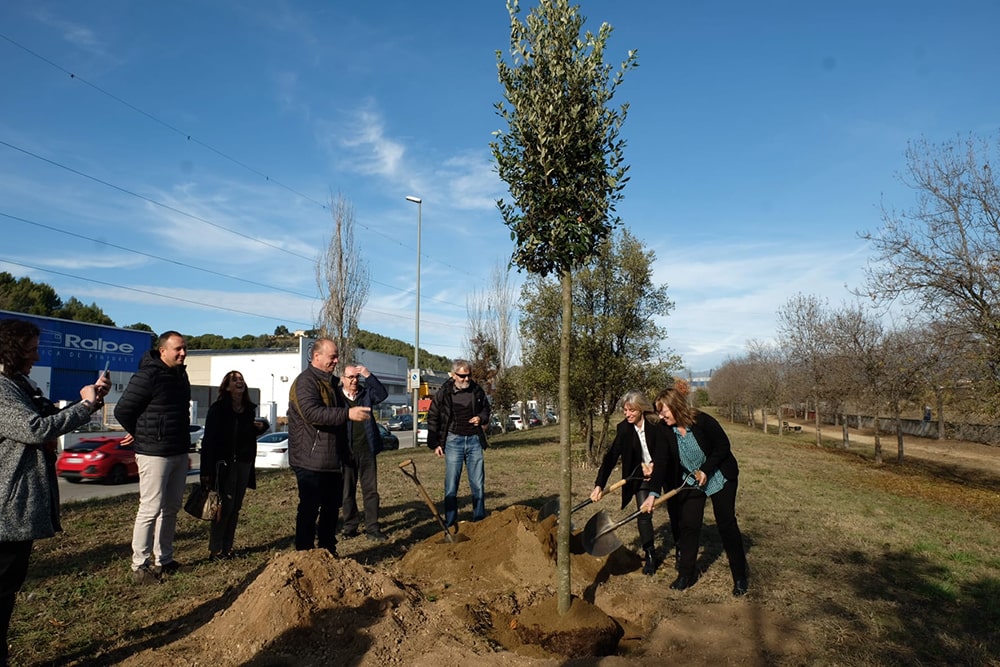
(363, 471)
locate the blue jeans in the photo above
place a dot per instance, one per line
(459, 449)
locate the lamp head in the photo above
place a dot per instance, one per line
(415, 200)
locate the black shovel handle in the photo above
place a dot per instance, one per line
(636, 474)
(427, 498)
(614, 487)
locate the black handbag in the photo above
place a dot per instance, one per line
(203, 503)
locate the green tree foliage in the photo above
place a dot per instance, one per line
(75, 310)
(564, 167)
(560, 156)
(366, 340)
(141, 326)
(281, 330)
(23, 295)
(616, 344)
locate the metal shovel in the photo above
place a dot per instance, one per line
(599, 537)
(430, 503)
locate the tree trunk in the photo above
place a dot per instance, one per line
(819, 432)
(899, 434)
(878, 438)
(846, 431)
(940, 409)
(566, 467)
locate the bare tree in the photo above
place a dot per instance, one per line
(768, 389)
(944, 253)
(859, 338)
(490, 330)
(343, 279)
(802, 323)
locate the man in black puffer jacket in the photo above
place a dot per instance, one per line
(155, 411)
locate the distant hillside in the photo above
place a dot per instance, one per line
(282, 339)
(23, 295)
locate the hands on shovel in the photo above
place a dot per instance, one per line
(694, 480)
(647, 473)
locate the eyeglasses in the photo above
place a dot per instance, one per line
(350, 377)
(461, 375)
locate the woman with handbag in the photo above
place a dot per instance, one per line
(29, 426)
(228, 453)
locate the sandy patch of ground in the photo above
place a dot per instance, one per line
(470, 602)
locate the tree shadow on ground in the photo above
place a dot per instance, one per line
(936, 622)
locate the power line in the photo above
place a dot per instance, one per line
(152, 256)
(205, 145)
(153, 201)
(181, 212)
(190, 266)
(90, 279)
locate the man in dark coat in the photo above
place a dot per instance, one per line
(155, 411)
(318, 446)
(366, 443)
(455, 424)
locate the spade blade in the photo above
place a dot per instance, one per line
(599, 537)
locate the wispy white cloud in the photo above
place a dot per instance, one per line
(371, 151)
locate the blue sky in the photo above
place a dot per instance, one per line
(208, 136)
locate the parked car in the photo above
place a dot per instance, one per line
(494, 426)
(401, 423)
(197, 433)
(533, 420)
(515, 422)
(272, 450)
(100, 458)
(389, 440)
(552, 417)
(422, 433)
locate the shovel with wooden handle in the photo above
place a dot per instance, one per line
(599, 537)
(552, 506)
(427, 499)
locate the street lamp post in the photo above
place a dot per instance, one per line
(416, 338)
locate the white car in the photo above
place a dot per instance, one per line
(518, 423)
(272, 450)
(422, 433)
(197, 432)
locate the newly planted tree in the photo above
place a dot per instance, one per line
(563, 163)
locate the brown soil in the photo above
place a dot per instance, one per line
(489, 599)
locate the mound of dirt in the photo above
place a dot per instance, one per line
(489, 598)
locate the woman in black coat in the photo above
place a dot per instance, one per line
(698, 446)
(228, 454)
(637, 439)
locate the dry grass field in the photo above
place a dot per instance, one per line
(851, 564)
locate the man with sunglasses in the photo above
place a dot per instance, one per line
(455, 431)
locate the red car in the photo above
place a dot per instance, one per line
(103, 458)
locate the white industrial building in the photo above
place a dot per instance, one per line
(271, 372)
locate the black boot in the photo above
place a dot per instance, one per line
(684, 581)
(649, 566)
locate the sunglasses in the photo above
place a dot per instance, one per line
(462, 375)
